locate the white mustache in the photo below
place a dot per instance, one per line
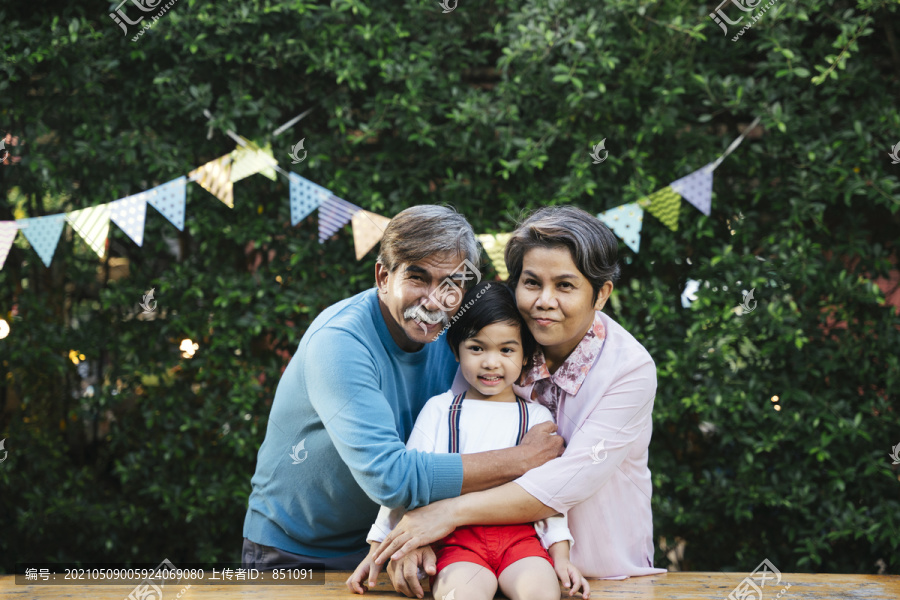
(426, 316)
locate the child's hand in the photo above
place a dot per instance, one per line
(571, 578)
(367, 568)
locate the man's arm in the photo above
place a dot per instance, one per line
(485, 470)
(341, 379)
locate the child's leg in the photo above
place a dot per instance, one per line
(467, 581)
(529, 578)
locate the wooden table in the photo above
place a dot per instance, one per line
(678, 585)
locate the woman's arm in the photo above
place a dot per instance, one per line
(508, 503)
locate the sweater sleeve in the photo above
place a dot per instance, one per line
(343, 383)
(422, 439)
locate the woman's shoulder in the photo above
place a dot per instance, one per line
(622, 343)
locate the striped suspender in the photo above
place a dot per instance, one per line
(523, 420)
(456, 410)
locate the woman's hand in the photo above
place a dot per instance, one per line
(417, 528)
(571, 578)
(366, 569)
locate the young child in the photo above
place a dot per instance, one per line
(492, 344)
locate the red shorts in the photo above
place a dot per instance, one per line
(494, 547)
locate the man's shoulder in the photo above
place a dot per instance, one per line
(349, 314)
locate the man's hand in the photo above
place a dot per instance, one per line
(541, 444)
(404, 573)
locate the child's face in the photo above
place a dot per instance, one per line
(492, 360)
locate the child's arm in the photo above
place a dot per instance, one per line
(367, 570)
(557, 539)
(568, 574)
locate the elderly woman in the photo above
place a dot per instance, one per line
(599, 383)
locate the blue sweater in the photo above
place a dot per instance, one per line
(351, 395)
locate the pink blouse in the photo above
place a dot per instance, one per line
(602, 399)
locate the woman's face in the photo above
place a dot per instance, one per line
(556, 299)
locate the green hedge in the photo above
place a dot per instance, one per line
(492, 108)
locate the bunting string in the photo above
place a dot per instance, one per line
(249, 158)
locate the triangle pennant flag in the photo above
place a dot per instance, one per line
(368, 229)
(129, 214)
(8, 231)
(169, 199)
(334, 213)
(696, 188)
(92, 224)
(43, 234)
(495, 244)
(251, 159)
(215, 177)
(626, 222)
(306, 197)
(664, 204)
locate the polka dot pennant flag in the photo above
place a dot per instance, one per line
(494, 245)
(368, 229)
(664, 204)
(215, 177)
(129, 214)
(334, 213)
(8, 231)
(43, 234)
(306, 197)
(168, 199)
(251, 159)
(626, 222)
(696, 188)
(92, 224)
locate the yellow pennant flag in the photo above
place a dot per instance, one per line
(215, 177)
(664, 204)
(368, 229)
(92, 224)
(251, 159)
(494, 244)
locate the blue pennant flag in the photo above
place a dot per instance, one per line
(306, 197)
(626, 222)
(43, 234)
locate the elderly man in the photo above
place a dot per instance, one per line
(335, 443)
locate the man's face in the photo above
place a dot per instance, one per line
(417, 299)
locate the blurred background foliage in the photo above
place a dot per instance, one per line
(123, 449)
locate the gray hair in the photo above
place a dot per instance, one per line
(593, 246)
(421, 231)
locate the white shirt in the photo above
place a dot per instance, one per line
(483, 425)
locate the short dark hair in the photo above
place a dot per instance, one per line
(496, 304)
(593, 246)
